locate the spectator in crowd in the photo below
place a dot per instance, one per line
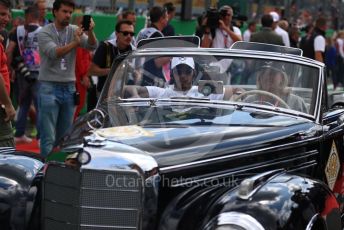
(330, 61)
(110, 49)
(294, 36)
(155, 72)
(313, 46)
(308, 34)
(82, 78)
(4, 37)
(17, 21)
(57, 95)
(283, 24)
(251, 28)
(225, 35)
(201, 25)
(42, 8)
(267, 34)
(339, 44)
(23, 54)
(7, 112)
(171, 12)
(126, 15)
(159, 19)
(281, 32)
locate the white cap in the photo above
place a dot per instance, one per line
(275, 16)
(182, 60)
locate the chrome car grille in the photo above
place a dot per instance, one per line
(91, 199)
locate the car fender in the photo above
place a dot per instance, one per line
(188, 209)
(277, 200)
(19, 185)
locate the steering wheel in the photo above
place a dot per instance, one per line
(264, 93)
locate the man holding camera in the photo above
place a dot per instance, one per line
(23, 55)
(220, 33)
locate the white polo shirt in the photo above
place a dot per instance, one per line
(157, 92)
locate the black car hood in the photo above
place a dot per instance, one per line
(171, 145)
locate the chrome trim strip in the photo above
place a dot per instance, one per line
(105, 226)
(224, 175)
(115, 190)
(311, 222)
(239, 219)
(245, 193)
(239, 53)
(126, 209)
(304, 166)
(7, 150)
(166, 169)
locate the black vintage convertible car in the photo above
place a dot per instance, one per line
(191, 138)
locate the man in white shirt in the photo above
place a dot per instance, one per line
(279, 30)
(251, 28)
(319, 39)
(183, 72)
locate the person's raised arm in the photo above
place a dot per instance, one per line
(63, 50)
(92, 40)
(235, 37)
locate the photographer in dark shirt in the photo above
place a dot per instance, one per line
(218, 29)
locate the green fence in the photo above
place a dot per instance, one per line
(105, 24)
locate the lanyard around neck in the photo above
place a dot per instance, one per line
(225, 38)
(59, 38)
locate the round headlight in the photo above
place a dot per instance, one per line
(84, 157)
(237, 221)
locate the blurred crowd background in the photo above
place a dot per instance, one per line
(297, 12)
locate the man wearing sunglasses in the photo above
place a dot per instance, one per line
(181, 83)
(110, 49)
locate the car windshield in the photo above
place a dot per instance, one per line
(194, 81)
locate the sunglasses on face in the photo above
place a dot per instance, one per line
(126, 33)
(183, 70)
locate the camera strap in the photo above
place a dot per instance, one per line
(225, 38)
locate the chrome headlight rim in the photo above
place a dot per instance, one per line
(238, 219)
(83, 157)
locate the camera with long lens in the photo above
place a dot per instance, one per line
(213, 17)
(20, 66)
